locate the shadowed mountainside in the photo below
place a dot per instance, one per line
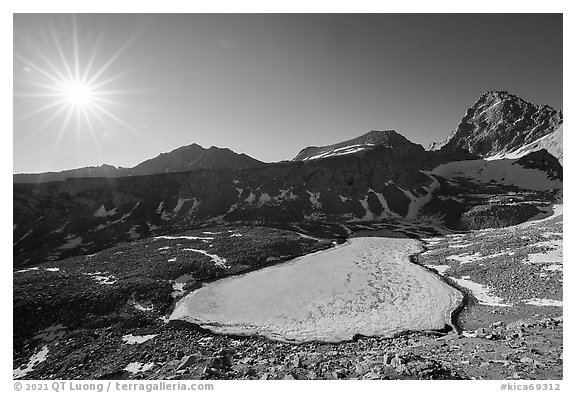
(183, 159)
(81, 215)
(378, 176)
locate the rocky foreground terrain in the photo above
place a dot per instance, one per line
(107, 319)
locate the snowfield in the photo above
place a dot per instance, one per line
(532, 251)
(218, 261)
(544, 302)
(551, 142)
(36, 359)
(73, 242)
(481, 292)
(100, 278)
(367, 286)
(102, 212)
(137, 367)
(184, 237)
(131, 339)
(341, 151)
(417, 202)
(502, 171)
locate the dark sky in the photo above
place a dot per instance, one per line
(266, 85)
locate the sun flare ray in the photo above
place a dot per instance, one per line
(60, 102)
(111, 61)
(50, 119)
(92, 59)
(76, 80)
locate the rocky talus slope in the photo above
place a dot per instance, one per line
(110, 322)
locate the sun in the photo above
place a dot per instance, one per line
(75, 84)
(78, 94)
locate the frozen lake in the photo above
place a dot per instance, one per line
(366, 286)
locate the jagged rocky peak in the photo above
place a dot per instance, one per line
(500, 122)
(368, 141)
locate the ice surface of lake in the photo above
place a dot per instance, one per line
(366, 286)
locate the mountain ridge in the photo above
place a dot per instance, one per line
(181, 159)
(378, 176)
(367, 141)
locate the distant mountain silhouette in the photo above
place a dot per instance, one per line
(183, 159)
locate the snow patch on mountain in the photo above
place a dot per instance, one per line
(439, 268)
(27, 270)
(100, 278)
(450, 197)
(131, 339)
(24, 237)
(481, 292)
(35, 360)
(417, 202)
(264, 199)
(340, 151)
(133, 233)
(314, 199)
(151, 226)
(502, 171)
(551, 142)
(286, 194)
(180, 204)
(553, 256)
(465, 258)
(102, 212)
(125, 216)
(73, 242)
(543, 302)
(141, 306)
(368, 216)
(218, 261)
(195, 205)
(381, 199)
(184, 237)
(138, 367)
(250, 198)
(121, 219)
